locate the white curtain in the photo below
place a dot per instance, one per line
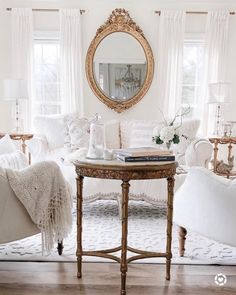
(170, 60)
(215, 64)
(22, 50)
(71, 61)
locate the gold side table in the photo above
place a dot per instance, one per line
(23, 137)
(125, 172)
(222, 140)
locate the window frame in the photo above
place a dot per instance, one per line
(197, 38)
(45, 37)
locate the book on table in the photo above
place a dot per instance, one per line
(142, 151)
(144, 154)
(162, 158)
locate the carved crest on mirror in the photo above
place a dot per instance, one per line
(119, 81)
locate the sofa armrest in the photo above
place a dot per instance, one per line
(38, 147)
(199, 153)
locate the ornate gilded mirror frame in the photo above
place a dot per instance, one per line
(119, 21)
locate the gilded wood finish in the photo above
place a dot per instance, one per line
(222, 140)
(23, 137)
(170, 189)
(182, 239)
(125, 173)
(79, 224)
(119, 21)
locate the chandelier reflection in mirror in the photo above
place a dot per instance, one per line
(121, 81)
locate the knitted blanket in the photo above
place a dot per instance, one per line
(46, 195)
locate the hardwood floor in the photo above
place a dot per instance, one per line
(40, 278)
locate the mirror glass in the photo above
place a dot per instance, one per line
(119, 66)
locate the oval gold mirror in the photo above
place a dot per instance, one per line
(119, 62)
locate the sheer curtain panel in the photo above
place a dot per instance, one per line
(22, 55)
(170, 60)
(215, 64)
(71, 61)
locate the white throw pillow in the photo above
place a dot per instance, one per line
(189, 129)
(6, 145)
(77, 132)
(53, 128)
(15, 160)
(139, 133)
(112, 134)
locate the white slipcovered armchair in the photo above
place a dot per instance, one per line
(15, 221)
(206, 204)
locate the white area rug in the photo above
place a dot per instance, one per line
(102, 229)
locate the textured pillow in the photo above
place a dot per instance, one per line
(6, 145)
(15, 160)
(189, 129)
(77, 132)
(112, 134)
(137, 133)
(53, 128)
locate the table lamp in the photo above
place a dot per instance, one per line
(219, 94)
(15, 89)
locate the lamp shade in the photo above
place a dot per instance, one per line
(15, 89)
(219, 93)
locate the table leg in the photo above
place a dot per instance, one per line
(215, 155)
(79, 181)
(182, 239)
(23, 145)
(229, 150)
(170, 185)
(123, 267)
(29, 158)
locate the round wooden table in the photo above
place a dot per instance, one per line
(125, 172)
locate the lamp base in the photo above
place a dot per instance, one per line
(217, 120)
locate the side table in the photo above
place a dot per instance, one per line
(125, 172)
(222, 140)
(23, 137)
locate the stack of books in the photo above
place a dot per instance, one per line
(144, 155)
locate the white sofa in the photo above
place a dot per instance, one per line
(52, 133)
(208, 202)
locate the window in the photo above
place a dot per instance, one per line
(46, 74)
(193, 58)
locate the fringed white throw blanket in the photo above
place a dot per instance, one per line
(46, 195)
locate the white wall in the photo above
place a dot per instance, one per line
(97, 12)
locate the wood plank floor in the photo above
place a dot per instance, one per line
(40, 278)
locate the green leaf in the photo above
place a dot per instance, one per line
(176, 139)
(157, 140)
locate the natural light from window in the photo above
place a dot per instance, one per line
(47, 77)
(193, 58)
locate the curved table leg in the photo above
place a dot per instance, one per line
(123, 267)
(79, 181)
(170, 185)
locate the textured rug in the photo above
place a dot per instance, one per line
(102, 229)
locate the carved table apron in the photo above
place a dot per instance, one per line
(125, 172)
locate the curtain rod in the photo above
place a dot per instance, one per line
(47, 9)
(194, 12)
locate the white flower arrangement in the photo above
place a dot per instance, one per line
(168, 132)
